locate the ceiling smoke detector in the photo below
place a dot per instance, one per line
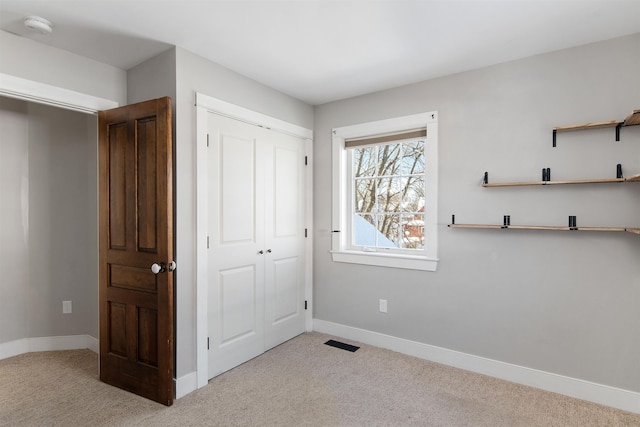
(37, 24)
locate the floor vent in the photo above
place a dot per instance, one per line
(343, 346)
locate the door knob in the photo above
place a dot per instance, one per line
(172, 266)
(158, 268)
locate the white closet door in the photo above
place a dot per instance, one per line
(284, 236)
(236, 237)
(256, 241)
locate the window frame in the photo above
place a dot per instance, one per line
(341, 249)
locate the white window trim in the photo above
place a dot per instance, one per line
(340, 209)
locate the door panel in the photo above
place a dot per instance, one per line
(237, 313)
(136, 231)
(286, 291)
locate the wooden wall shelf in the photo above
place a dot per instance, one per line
(546, 180)
(632, 119)
(545, 227)
(574, 181)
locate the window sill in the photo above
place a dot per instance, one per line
(385, 260)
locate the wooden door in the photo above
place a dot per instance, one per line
(255, 263)
(136, 232)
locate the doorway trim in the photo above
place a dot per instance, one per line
(42, 93)
(206, 104)
(58, 97)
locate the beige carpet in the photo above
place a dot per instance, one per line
(300, 383)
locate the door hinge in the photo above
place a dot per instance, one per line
(305, 160)
(305, 232)
(207, 242)
(207, 140)
(305, 304)
(207, 343)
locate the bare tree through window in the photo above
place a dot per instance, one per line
(389, 193)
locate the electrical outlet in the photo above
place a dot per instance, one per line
(66, 307)
(383, 306)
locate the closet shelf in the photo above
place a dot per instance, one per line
(632, 119)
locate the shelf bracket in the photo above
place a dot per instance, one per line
(618, 126)
(554, 137)
(506, 221)
(546, 174)
(619, 171)
(485, 179)
(573, 223)
(453, 219)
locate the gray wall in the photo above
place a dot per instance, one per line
(58, 193)
(180, 74)
(196, 74)
(51, 221)
(30, 60)
(562, 302)
(14, 219)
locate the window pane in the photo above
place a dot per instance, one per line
(364, 230)
(364, 197)
(382, 194)
(413, 200)
(389, 194)
(365, 161)
(413, 157)
(389, 229)
(389, 159)
(413, 231)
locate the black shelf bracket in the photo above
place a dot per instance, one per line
(554, 137)
(618, 126)
(453, 219)
(485, 179)
(506, 221)
(546, 174)
(619, 171)
(573, 223)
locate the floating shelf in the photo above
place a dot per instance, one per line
(632, 119)
(575, 181)
(546, 180)
(571, 227)
(544, 227)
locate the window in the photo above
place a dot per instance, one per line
(385, 193)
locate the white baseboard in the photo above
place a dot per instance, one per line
(29, 345)
(573, 387)
(186, 384)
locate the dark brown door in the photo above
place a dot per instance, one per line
(136, 232)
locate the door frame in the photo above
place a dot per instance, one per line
(59, 97)
(42, 93)
(204, 105)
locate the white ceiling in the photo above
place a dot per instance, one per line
(323, 50)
